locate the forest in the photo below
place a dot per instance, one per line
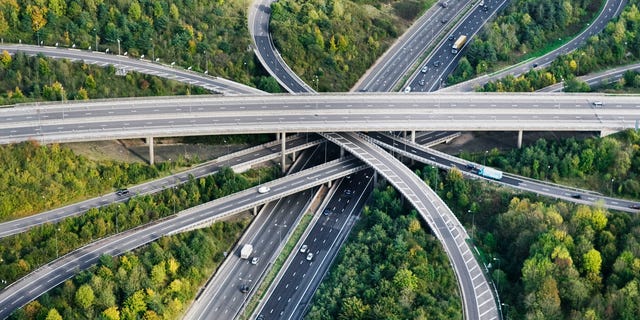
(200, 34)
(25, 79)
(616, 45)
(525, 28)
(157, 281)
(391, 267)
(331, 43)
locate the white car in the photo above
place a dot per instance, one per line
(407, 89)
(304, 248)
(254, 260)
(310, 256)
(264, 189)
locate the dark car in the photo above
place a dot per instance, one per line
(576, 196)
(244, 288)
(348, 193)
(326, 212)
(122, 192)
(444, 20)
(634, 206)
(451, 38)
(421, 82)
(436, 63)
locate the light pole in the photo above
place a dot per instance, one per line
(56, 236)
(473, 223)
(96, 34)
(118, 46)
(611, 187)
(317, 83)
(153, 50)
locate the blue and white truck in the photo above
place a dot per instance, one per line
(490, 173)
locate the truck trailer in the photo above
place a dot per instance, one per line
(246, 251)
(490, 173)
(458, 44)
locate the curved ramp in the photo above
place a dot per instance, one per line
(477, 296)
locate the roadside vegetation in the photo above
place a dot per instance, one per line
(157, 281)
(616, 45)
(331, 43)
(26, 79)
(35, 178)
(25, 252)
(200, 34)
(389, 268)
(524, 29)
(630, 83)
(610, 165)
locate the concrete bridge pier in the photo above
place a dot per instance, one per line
(341, 152)
(150, 143)
(413, 136)
(283, 161)
(520, 139)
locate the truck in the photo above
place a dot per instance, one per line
(458, 44)
(246, 251)
(490, 173)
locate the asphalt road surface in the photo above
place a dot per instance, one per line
(141, 118)
(297, 283)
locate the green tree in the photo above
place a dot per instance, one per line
(53, 315)
(85, 296)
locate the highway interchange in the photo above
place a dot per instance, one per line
(559, 103)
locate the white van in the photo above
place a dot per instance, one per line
(407, 89)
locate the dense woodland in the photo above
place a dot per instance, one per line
(331, 43)
(390, 268)
(618, 44)
(24, 78)
(524, 28)
(610, 165)
(25, 252)
(157, 281)
(200, 34)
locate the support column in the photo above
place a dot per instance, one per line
(293, 156)
(277, 136)
(283, 149)
(413, 136)
(255, 211)
(150, 143)
(519, 139)
(341, 152)
(330, 184)
(375, 178)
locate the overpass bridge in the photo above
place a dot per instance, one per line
(189, 116)
(477, 297)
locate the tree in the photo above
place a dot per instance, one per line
(85, 296)
(111, 313)
(53, 315)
